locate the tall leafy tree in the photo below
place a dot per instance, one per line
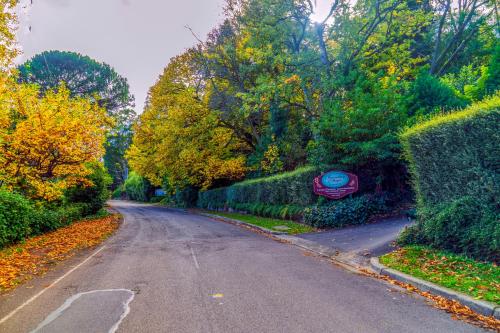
(86, 77)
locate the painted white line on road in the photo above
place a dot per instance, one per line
(194, 258)
(54, 315)
(16, 310)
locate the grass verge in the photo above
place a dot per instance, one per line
(269, 223)
(34, 256)
(477, 279)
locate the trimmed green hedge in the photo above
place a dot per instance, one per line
(15, 217)
(454, 160)
(349, 211)
(21, 218)
(287, 189)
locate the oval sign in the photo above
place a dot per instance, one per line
(335, 179)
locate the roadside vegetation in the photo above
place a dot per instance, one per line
(247, 117)
(64, 127)
(477, 279)
(292, 228)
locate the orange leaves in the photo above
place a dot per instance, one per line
(46, 142)
(19, 262)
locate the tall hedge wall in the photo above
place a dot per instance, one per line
(454, 160)
(290, 188)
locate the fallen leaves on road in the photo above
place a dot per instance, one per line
(34, 256)
(456, 309)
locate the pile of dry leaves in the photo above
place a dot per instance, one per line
(34, 256)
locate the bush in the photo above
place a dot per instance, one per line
(118, 193)
(15, 217)
(92, 197)
(45, 219)
(454, 161)
(137, 187)
(290, 188)
(186, 197)
(350, 211)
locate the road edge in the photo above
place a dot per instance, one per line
(482, 307)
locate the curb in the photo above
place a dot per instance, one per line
(483, 307)
(238, 222)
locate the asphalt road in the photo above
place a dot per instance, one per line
(169, 271)
(375, 238)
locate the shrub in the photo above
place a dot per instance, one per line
(350, 211)
(118, 193)
(137, 187)
(45, 219)
(15, 217)
(186, 197)
(289, 188)
(94, 197)
(454, 161)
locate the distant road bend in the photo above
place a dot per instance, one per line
(170, 271)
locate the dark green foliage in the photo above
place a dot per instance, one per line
(21, 218)
(350, 211)
(157, 199)
(138, 188)
(464, 225)
(119, 192)
(185, 198)
(82, 75)
(290, 188)
(455, 161)
(45, 219)
(429, 94)
(284, 212)
(94, 197)
(365, 133)
(15, 217)
(492, 83)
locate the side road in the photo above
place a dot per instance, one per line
(170, 271)
(358, 247)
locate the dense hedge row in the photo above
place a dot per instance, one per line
(290, 188)
(455, 161)
(349, 211)
(20, 218)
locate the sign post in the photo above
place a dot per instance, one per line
(335, 184)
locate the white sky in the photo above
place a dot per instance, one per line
(136, 37)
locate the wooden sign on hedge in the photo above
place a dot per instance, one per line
(335, 184)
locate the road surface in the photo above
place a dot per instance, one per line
(170, 271)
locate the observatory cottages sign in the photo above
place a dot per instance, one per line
(335, 184)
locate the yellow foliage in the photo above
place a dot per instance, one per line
(178, 138)
(45, 142)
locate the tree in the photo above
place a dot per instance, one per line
(46, 143)
(85, 77)
(179, 139)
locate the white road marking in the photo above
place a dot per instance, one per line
(16, 310)
(54, 315)
(194, 258)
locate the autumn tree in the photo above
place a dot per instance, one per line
(86, 77)
(46, 143)
(178, 138)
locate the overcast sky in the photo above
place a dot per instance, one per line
(136, 37)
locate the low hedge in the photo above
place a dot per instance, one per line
(454, 160)
(349, 211)
(15, 217)
(20, 218)
(291, 188)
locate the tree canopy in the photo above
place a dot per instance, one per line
(86, 77)
(287, 91)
